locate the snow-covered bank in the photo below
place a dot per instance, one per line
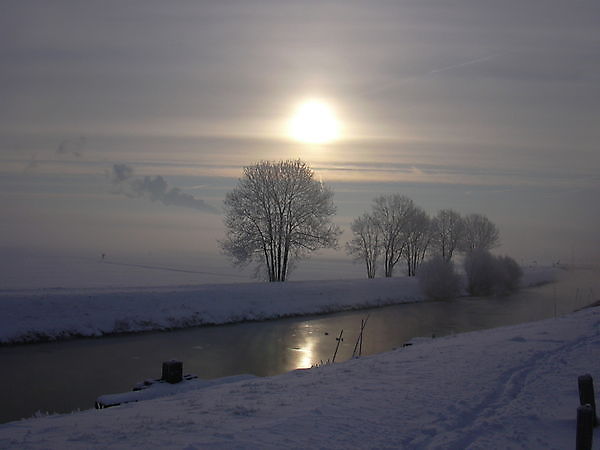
(29, 316)
(61, 314)
(511, 387)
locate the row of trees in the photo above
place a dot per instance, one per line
(278, 213)
(398, 230)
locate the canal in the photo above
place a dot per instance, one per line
(70, 375)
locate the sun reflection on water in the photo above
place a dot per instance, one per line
(304, 354)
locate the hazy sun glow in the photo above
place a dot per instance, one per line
(314, 122)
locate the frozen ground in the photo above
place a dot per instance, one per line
(28, 315)
(512, 387)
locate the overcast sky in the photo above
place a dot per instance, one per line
(481, 106)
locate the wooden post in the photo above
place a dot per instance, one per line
(172, 371)
(586, 395)
(585, 428)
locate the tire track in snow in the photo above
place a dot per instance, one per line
(508, 387)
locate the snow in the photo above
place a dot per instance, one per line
(38, 269)
(511, 387)
(47, 314)
(151, 389)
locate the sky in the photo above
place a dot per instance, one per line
(476, 105)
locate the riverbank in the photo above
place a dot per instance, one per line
(52, 314)
(510, 387)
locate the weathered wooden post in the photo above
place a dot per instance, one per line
(585, 428)
(172, 371)
(586, 394)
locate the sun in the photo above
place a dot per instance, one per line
(314, 122)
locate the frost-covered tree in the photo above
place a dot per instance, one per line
(365, 246)
(480, 270)
(480, 233)
(508, 275)
(393, 214)
(438, 280)
(488, 274)
(447, 230)
(417, 237)
(277, 214)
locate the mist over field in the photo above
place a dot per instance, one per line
(122, 128)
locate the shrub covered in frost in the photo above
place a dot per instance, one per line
(488, 274)
(508, 275)
(479, 267)
(438, 280)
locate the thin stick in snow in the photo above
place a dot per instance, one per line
(359, 341)
(338, 339)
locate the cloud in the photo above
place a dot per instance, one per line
(395, 83)
(73, 147)
(121, 172)
(31, 164)
(462, 64)
(154, 188)
(67, 147)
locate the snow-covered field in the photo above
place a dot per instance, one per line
(512, 387)
(41, 314)
(36, 269)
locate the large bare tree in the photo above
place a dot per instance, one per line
(447, 230)
(366, 244)
(393, 214)
(480, 233)
(417, 237)
(277, 214)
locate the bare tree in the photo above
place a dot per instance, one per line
(417, 238)
(392, 214)
(447, 230)
(480, 233)
(277, 214)
(366, 244)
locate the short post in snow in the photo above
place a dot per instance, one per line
(585, 428)
(586, 394)
(172, 371)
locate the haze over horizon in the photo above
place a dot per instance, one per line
(480, 106)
